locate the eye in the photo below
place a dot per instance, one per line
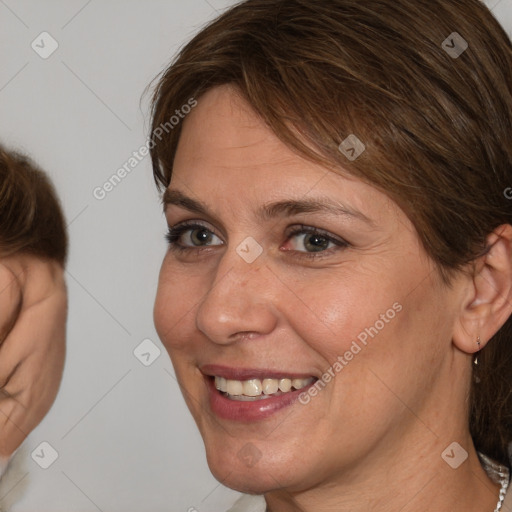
(307, 239)
(189, 236)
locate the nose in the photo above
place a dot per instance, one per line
(239, 301)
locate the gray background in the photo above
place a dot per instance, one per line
(124, 438)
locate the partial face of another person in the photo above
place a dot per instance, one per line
(33, 305)
(281, 272)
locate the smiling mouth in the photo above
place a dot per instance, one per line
(259, 389)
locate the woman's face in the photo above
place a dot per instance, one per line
(286, 272)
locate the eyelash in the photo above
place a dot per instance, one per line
(175, 232)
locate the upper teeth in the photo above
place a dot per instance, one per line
(256, 387)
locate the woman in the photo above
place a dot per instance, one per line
(337, 292)
(33, 300)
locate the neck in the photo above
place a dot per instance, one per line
(415, 480)
(405, 471)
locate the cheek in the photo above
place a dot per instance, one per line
(176, 298)
(378, 342)
(167, 301)
(358, 327)
(331, 312)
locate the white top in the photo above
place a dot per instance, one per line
(249, 503)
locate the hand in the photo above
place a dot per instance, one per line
(33, 312)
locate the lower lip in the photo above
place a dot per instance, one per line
(249, 411)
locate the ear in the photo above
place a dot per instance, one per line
(488, 297)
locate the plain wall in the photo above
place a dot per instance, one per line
(124, 437)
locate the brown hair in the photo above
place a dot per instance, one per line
(437, 127)
(31, 218)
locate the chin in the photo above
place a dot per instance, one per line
(240, 478)
(250, 471)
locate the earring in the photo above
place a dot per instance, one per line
(475, 361)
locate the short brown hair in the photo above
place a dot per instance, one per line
(437, 127)
(31, 218)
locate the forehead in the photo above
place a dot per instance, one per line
(226, 152)
(223, 130)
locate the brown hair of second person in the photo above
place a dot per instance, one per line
(30, 212)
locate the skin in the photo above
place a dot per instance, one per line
(375, 434)
(33, 301)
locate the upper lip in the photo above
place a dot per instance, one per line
(238, 373)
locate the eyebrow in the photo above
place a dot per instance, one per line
(286, 208)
